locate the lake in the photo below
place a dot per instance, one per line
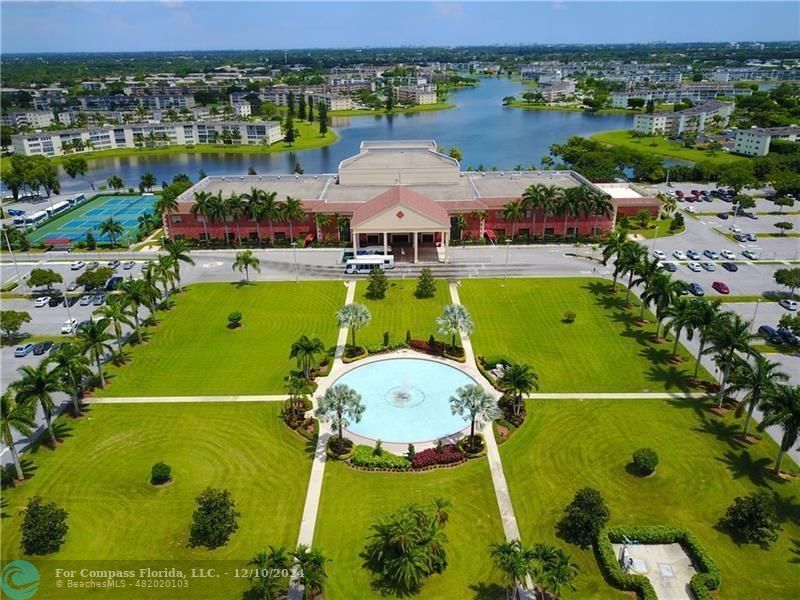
(485, 131)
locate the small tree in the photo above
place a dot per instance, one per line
(455, 319)
(44, 277)
(234, 320)
(266, 574)
(426, 284)
(753, 519)
(160, 473)
(12, 320)
(95, 278)
(789, 278)
(215, 519)
(340, 405)
(783, 202)
(91, 241)
(784, 226)
(378, 284)
(585, 516)
(476, 404)
(44, 527)
(353, 316)
(645, 461)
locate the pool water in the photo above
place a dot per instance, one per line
(406, 399)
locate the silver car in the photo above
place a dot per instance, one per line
(708, 266)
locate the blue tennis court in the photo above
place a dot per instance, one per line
(74, 225)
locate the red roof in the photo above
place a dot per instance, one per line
(405, 196)
(58, 241)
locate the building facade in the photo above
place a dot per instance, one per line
(756, 141)
(690, 120)
(421, 94)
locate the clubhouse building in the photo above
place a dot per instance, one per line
(404, 195)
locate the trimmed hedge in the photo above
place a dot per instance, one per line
(366, 457)
(702, 583)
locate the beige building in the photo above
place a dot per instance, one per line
(421, 94)
(755, 142)
(691, 120)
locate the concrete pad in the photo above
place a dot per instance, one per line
(667, 566)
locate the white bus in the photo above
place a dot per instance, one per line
(58, 208)
(35, 220)
(365, 264)
(366, 251)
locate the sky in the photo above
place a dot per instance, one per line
(117, 26)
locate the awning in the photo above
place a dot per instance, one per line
(489, 233)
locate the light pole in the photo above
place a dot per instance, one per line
(755, 312)
(13, 257)
(69, 315)
(294, 255)
(508, 245)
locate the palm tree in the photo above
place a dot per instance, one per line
(477, 404)
(730, 336)
(551, 201)
(255, 208)
(178, 251)
(461, 224)
(245, 261)
(704, 319)
(134, 292)
(782, 408)
(271, 211)
(234, 208)
(164, 270)
(118, 312)
(757, 379)
(35, 386)
(115, 183)
(19, 417)
(150, 279)
(455, 319)
(219, 212)
(93, 340)
(661, 291)
(581, 203)
(646, 271)
(323, 221)
(516, 561)
(340, 405)
(166, 204)
(72, 368)
(612, 247)
(668, 203)
(112, 229)
(353, 316)
(310, 566)
(513, 212)
(533, 200)
(629, 262)
(305, 350)
(681, 315)
(203, 207)
(518, 379)
(267, 564)
(559, 571)
(600, 206)
(292, 210)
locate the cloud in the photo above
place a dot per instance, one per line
(449, 9)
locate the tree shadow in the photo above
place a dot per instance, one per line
(626, 319)
(722, 431)
(3, 507)
(240, 284)
(488, 591)
(795, 549)
(658, 356)
(611, 301)
(787, 507)
(599, 288)
(698, 406)
(62, 431)
(670, 377)
(742, 465)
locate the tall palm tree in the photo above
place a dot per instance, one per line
(118, 312)
(558, 572)
(306, 350)
(645, 273)
(292, 211)
(533, 200)
(757, 378)
(310, 565)
(134, 292)
(782, 408)
(353, 316)
(255, 208)
(551, 201)
(19, 417)
(245, 261)
(235, 208)
(267, 564)
(271, 211)
(219, 212)
(115, 182)
(93, 339)
(581, 203)
(566, 205)
(476, 403)
(150, 280)
(455, 319)
(681, 315)
(166, 203)
(516, 561)
(72, 368)
(36, 386)
(323, 221)
(178, 251)
(662, 293)
(113, 229)
(730, 336)
(600, 206)
(513, 212)
(629, 261)
(612, 247)
(203, 207)
(164, 271)
(340, 405)
(518, 379)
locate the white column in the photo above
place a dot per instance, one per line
(445, 235)
(355, 243)
(416, 255)
(385, 243)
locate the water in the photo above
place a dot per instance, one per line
(486, 133)
(406, 399)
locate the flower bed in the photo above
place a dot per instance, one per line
(332, 448)
(353, 353)
(446, 455)
(367, 457)
(464, 446)
(438, 349)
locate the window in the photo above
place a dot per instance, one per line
(177, 219)
(549, 231)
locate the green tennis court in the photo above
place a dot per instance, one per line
(74, 225)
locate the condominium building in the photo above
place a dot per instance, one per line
(691, 120)
(151, 102)
(58, 143)
(421, 94)
(33, 119)
(333, 101)
(756, 141)
(557, 91)
(693, 92)
(242, 109)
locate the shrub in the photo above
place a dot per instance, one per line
(385, 338)
(411, 452)
(337, 451)
(44, 527)
(368, 457)
(446, 455)
(569, 317)
(645, 461)
(753, 519)
(378, 284)
(585, 516)
(215, 519)
(408, 336)
(426, 284)
(160, 473)
(234, 319)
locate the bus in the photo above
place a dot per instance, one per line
(366, 251)
(365, 264)
(33, 221)
(57, 208)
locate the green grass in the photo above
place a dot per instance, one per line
(192, 352)
(663, 147)
(101, 473)
(401, 311)
(566, 445)
(662, 229)
(602, 351)
(353, 500)
(366, 112)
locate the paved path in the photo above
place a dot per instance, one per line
(184, 399)
(618, 396)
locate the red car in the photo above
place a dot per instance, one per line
(721, 287)
(695, 192)
(679, 193)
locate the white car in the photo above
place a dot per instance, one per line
(708, 266)
(127, 265)
(690, 209)
(727, 254)
(659, 254)
(40, 302)
(693, 266)
(751, 254)
(788, 304)
(693, 254)
(77, 265)
(69, 326)
(735, 229)
(679, 255)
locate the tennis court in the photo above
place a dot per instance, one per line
(87, 217)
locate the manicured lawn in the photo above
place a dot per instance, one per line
(192, 352)
(602, 351)
(661, 229)
(101, 473)
(663, 147)
(401, 311)
(566, 445)
(353, 500)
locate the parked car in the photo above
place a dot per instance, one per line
(693, 254)
(681, 287)
(721, 287)
(706, 198)
(659, 254)
(696, 289)
(72, 300)
(708, 266)
(56, 347)
(751, 215)
(679, 193)
(693, 266)
(728, 254)
(98, 300)
(751, 237)
(712, 254)
(690, 209)
(77, 265)
(735, 229)
(41, 301)
(113, 283)
(788, 304)
(668, 266)
(788, 337)
(72, 287)
(770, 334)
(128, 265)
(69, 326)
(56, 300)
(23, 350)
(679, 255)
(15, 212)
(86, 300)
(723, 216)
(740, 237)
(42, 347)
(92, 265)
(695, 192)
(113, 264)
(729, 266)
(751, 254)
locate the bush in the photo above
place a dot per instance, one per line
(44, 527)
(411, 452)
(753, 519)
(369, 458)
(378, 284)
(160, 473)
(234, 320)
(585, 516)
(426, 284)
(569, 317)
(337, 451)
(645, 461)
(443, 455)
(215, 519)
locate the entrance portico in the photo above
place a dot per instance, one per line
(399, 217)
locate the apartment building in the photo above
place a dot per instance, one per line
(691, 120)
(756, 141)
(557, 91)
(242, 109)
(694, 92)
(32, 119)
(423, 94)
(333, 101)
(150, 102)
(540, 76)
